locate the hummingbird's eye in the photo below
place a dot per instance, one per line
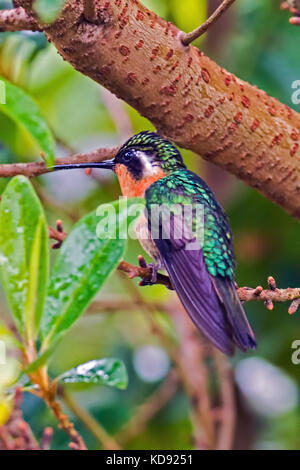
(128, 155)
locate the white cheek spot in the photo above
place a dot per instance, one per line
(148, 168)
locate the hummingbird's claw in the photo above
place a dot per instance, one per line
(142, 261)
(154, 269)
(154, 272)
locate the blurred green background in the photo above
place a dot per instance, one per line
(255, 41)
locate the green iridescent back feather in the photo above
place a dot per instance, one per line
(185, 187)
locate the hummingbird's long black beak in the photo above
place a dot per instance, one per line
(106, 165)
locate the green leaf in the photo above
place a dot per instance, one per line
(111, 372)
(8, 337)
(86, 259)
(2, 92)
(25, 112)
(48, 10)
(159, 7)
(33, 279)
(24, 254)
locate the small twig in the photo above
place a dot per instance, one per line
(47, 438)
(294, 7)
(116, 305)
(245, 293)
(295, 20)
(227, 411)
(149, 409)
(294, 306)
(17, 20)
(269, 304)
(8, 170)
(59, 235)
(279, 295)
(90, 12)
(272, 283)
(47, 391)
(188, 38)
(106, 441)
(77, 442)
(268, 296)
(271, 295)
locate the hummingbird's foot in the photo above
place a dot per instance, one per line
(154, 268)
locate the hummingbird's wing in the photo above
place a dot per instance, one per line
(196, 248)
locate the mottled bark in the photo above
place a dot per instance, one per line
(188, 97)
(17, 20)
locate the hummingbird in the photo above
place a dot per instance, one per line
(202, 272)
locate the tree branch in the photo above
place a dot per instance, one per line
(268, 296)
(17, 20)
(38, 168)
(188, 97)
(271, 295)
(188, 38)
(245, 293)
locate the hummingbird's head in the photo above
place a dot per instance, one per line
(146, 153)
(143, 159)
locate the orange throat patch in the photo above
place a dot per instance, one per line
(131, 187)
